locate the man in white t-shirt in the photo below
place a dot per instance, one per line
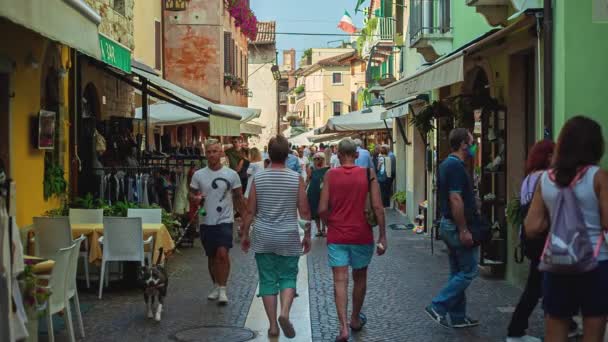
(333, 160)
(303, 160)
(220, 187)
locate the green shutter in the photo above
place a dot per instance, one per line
(391, 65)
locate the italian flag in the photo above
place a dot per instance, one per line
(346, 23)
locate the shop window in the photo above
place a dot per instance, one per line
(336, 78)
(119, 6)
(337, 106)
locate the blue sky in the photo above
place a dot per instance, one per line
(316, 16)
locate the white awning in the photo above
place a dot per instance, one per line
(215, 109)
(251, 127)
(302, 138)
(404, 107)
(331, 137)
(442, 73)
(368, 119)
(70, 22)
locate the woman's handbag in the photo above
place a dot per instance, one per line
(370, 214)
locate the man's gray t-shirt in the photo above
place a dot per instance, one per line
(216, 187)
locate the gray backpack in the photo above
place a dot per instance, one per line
(568, 249)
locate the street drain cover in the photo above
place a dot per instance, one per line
(214, 334)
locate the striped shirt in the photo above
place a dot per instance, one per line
(275, 228)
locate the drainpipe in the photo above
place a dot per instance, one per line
(548, 67)
(539, 71)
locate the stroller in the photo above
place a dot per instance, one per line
(188, 227)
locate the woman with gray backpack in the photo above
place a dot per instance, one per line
(571, 203)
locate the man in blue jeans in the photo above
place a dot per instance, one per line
(457, 203)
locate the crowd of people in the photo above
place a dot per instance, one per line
(277, 195)
(344, 189)
(564, 200)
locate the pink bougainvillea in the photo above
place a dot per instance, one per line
(244, 18)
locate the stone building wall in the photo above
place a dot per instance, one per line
(117, 19)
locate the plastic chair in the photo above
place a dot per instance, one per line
(86, 216)
(58, 285)
(51, 235)
(147, 215)
(122, 240)
(72, 291)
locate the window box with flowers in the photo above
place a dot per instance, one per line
(228, 78)
(244, 18)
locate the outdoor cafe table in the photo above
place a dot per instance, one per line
(93, 231)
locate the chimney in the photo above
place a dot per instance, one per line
(289, 59)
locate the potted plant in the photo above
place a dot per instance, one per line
(400, 198)
(35, 296)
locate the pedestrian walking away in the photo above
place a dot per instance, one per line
(315, 184)
(457, 205)
(571, 204)
(539, 159)
(350, 239)
(364, 158)
(276, 198)
(384, 174)
(220, 187)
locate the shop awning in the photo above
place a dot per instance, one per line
(70, 22)
(251, 127)
(331, 137)
(302, 138)
(368, 119)
(440, 74)
(402, 108)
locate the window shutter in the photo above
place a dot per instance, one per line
(227, 39)
(157, 45)
(232, 71)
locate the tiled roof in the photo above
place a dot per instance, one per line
(339, 60)
(266, 33)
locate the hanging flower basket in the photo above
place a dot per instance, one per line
(244, 18)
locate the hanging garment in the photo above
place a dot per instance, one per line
(129, 183)
(181, 195)
(144, 190)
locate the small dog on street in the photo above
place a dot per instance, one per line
(155, 282)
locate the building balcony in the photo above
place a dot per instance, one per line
(430, 28)
(383, 34)
(497, 12)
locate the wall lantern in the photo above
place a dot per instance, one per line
(276, 73)
(176, 5)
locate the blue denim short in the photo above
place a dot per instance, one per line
(215, 236)
(566, 295)
(355, 256)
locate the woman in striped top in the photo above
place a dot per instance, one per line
(276, 197)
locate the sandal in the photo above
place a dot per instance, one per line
(271, 334)
(362, 320)
(287, 327)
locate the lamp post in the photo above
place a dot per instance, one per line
(276, 75)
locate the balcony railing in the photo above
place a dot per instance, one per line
(384, 32)
(429, 17)
(301, 95)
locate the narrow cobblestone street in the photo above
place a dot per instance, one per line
(400, 284)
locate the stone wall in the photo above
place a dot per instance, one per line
(117, 19)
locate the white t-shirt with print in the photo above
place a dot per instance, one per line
(216, 187)
(304, 165)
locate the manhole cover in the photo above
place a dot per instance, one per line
(214, 334)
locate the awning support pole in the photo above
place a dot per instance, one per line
(144, 110)
(390, 134)
(402, 131)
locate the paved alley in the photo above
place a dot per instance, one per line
(400, 284)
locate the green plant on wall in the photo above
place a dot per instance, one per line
(54, 181)
(299, 89)
(366, 33)
(364, 98)
(514, 214)
(400, 197)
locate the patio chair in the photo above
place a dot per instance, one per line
(86, 216)
(51, 235)
(147, 215)
(122, 240)
(72, 290)
(58, 286)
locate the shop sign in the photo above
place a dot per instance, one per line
(115, 54)
(600, 11)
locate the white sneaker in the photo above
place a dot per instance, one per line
(524, 338)
(222, 298)
(214, 294)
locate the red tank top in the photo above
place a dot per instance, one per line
(347, 194)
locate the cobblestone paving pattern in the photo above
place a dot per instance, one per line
(120, 315)
(400, 284)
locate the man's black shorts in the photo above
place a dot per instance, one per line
(215, 236)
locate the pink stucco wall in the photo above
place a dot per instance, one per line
(194, 50)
